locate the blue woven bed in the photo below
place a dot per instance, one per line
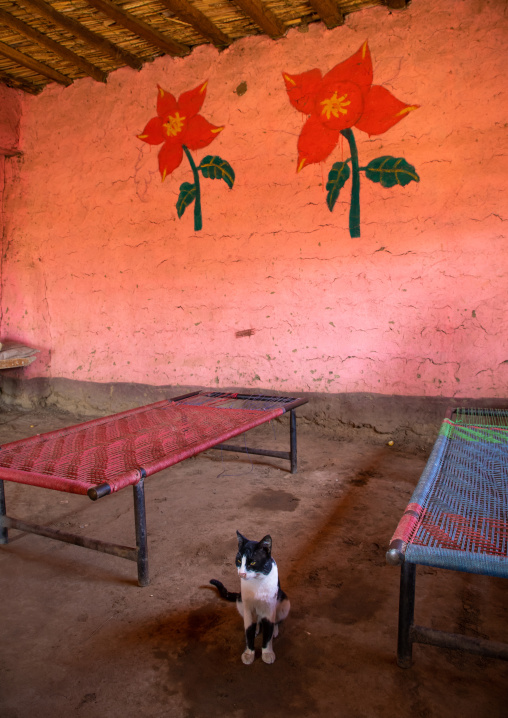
(458, 515)
(457, 518)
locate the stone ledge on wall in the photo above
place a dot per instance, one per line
(412, 422)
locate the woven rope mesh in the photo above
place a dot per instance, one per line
(114, 446)
(466, 507)
(257, 402)
(482, 417)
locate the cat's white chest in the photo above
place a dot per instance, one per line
(259, 593)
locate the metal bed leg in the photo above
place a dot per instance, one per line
(4, 535)
(292, 440)
(406, 614)
(141, 536)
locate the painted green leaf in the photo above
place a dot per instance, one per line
(337, 178)
(216, 168)
(390, 171)
(186, 197)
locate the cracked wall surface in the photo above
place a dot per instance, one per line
(101, 275)
(10, 116)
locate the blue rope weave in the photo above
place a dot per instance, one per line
(463, 495)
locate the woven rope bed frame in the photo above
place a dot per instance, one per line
(457, 519)
(105, 455)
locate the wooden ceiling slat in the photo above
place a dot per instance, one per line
(34, 65)
(139, 27)
(262, 16)
(73, 38)
(329, 12)
(45, 41)
(198, 20)
(80, 31)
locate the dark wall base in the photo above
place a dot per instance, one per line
(411, 422)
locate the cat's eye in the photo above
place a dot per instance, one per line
(252, 563)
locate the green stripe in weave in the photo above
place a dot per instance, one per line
(468, 433)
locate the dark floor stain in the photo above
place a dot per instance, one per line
(355, 605)
(87, 698)
(271, 500)
(362, 477)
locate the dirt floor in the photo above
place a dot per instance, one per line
(78, 637)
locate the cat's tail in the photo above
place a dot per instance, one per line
(223, 592)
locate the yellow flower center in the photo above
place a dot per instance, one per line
(335, 105)
(174, 124)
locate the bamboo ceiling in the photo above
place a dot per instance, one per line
(64, 40)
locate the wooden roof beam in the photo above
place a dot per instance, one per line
(328, 12)
(263, 17)
(18, 83)
(139, 27)
(83, 33)
(43, 40)
(25, 61)
(183, 10)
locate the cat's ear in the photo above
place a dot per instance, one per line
(266, 543)
(241, 540)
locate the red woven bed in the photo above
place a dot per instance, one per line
(116, 449)
(105, 455)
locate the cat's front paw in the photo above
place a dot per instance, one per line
(248, 656)
(268, 656)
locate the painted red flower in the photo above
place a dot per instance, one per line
(178, 125)
(345, 97)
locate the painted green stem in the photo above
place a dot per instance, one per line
(198, 218)
(354, 209)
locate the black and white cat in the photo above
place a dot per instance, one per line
(261, 601)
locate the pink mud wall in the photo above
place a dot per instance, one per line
(10, 116)
(101, 275)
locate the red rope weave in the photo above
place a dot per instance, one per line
(113, 449)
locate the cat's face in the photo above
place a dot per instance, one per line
(254, 558)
